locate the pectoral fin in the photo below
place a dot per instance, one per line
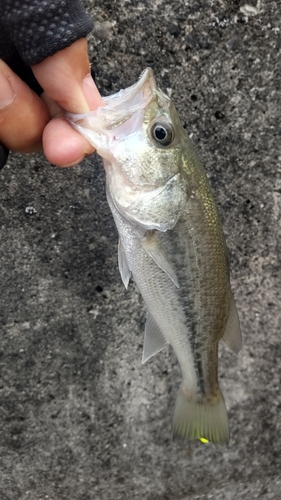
(154, 340)
(123, 265)
(152, 247)
(232, 335)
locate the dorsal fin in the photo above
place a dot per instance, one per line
(232, 334)
(154, 340)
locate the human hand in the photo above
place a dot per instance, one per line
(29, 123)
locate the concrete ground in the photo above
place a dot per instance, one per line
(80, 417)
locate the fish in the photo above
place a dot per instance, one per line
(171, 242)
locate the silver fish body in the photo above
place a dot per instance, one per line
(171, 242)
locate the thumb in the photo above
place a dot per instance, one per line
(65, 78)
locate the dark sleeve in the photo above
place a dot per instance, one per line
(40, 28)
(4, 152)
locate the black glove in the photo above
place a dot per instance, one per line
(30, 31)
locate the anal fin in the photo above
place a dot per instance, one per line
(153, 248)
(123, 265)
(154, 340)
(232, 334)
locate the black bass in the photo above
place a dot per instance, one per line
(171, 242)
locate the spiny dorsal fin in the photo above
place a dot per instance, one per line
(153, 248)
(232, 335)
(123, 265)
(154, 340)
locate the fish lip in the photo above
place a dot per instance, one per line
(124, 96)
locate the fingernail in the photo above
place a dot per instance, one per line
(7, 94)
(76, 162)
(91, 92)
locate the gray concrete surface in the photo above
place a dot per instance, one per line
(80, 417)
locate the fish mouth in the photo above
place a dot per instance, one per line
(135, 97)
(119, 107)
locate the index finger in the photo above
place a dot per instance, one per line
(65, 78)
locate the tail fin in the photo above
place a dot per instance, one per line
(204, 419)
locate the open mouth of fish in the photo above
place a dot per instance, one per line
(119, 107)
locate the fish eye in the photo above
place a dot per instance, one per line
(162, 133)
